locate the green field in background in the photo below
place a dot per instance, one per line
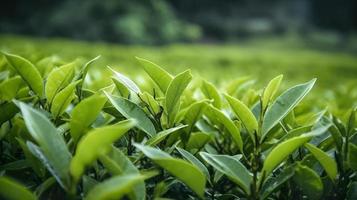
(220, 63)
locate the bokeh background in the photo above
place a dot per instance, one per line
(220, 40)
(167, 21)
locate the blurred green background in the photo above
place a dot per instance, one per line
(219, 40)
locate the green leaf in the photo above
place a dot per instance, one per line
(9, 88)
(27, 71)
(351, 156)
(117, 164)
(273, 183)
(96, 143)
(184, 171)
(174, 92)
(131, 110)
(325, 160)
(156, 139)
(216, 115)
(192, 115)
(161, 77)
(83, 74)
(125, 81)
(285, 148)
(31, 159)
(84, 114)
(51, 143)
(211, 92)
(285, 103)
(63, 99)
(188, 156)
(150, 101)
(352, 191)
(244, 114)
(115, 187)
(271, 90)
(198, 140)
(8, 110)
(231, 167)
(11, 190)
(58, 79)
(308, 181)
(122, 89)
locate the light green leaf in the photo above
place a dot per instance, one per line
(150, 101)
(63, 99)
(161, 77)
(285, 103)
(198, 140)
(156, 139)
(84, 114)
(96, 143)
(231, 167)
(308, 181)
(117, 164)
(125, 81)
(131, 110)
(27, 71)
(115, 187)
(216, 115)
(51, 143)
(11, 190)
(285, 148)
(188, 156)
(211, 92)
(325, 160)
(174, 92)
(184, 171)
(58, 79)
(122, 89)
(9, 88)
(271, 90)
(244, 114)
(192, 115)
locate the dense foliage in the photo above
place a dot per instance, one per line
(168, 136)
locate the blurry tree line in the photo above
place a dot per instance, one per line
(164, 21)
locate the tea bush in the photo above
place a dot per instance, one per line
(170, 136)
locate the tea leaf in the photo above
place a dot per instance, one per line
(27, 71)
(174, 92)
(216, 115)
(231, 167)
(9, 88)
(51, 143)
(115, 187)
(161, 77)
(309, 182)
(184, 171)
(211, 92)
(188, 156)
(84, 114)
(125, 81)
(118, 164)
(271, 90)
(285, 148)
(96, 143)
(244, 114)
(285, 103)
(131, 110)
(325, 160)
(58, 79)
(63, 99)
(156, 139)
(12, 190)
